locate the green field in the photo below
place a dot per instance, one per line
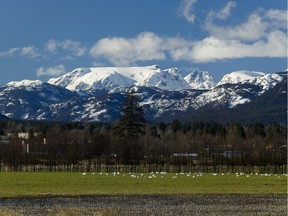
(13, 184)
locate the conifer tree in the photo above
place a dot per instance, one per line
(129, 128)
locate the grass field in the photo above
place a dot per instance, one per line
(16, 184)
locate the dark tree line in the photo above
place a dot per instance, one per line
(76, 143)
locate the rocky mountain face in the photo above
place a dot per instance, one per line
(200, 79)
(97, 94)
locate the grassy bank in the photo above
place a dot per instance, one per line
(15, 184)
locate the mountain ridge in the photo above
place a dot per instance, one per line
(37, 100)
(127, 76)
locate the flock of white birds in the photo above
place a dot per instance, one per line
(152, 175)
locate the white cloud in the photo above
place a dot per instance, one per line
(257, 26)
(253, 29)
(29, 51)
(9, 52)
(64, 50)
(278, 18)
(71, 48)
(127, 51)
(224, 13)
(51, 46)
(186, 10)
(262, 34)
(52, 71)
(149, 46)
(212, 49)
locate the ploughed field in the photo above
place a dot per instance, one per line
(65, 193)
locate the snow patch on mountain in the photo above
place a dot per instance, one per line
(236, 100)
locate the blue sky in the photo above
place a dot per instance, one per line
(41, 39)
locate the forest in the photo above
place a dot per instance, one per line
(131, 144)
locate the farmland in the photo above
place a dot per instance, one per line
(67, 193)
(84, 170)
(15, 184)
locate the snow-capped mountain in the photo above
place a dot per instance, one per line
(66, 98)
(240, 76)
(200, 79)
(34, 100)
(27, 84)
(83, 79)
(112, 77)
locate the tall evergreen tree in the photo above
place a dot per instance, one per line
(129, 128)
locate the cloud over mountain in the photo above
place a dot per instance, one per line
(127, 51)
(51, 71)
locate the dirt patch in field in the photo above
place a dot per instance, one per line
(146, 205)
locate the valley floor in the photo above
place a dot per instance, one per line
(188, 204)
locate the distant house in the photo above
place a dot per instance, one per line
(234, 154)
(185, 155)
(24, 136)
(216, 155)
(228, 154)
(27, 147)
(4, 141)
